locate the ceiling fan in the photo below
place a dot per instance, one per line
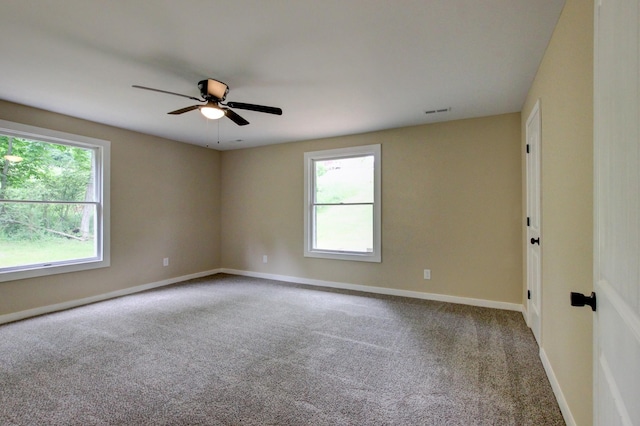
(214, 92)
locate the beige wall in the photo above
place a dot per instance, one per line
(564, 85)
(164, 203)
(451, 202)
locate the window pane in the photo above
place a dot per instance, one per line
(344, 180)
(43, 171)
(344, 228)
(33, 233)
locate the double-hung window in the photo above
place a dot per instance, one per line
(342, 204)
(54, 202)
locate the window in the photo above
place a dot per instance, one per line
(54, 202)
(342, 204)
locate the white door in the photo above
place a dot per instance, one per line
(617, 213)
(534, 258)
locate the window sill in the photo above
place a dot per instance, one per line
(336, 255)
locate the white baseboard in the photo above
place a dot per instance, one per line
(16, 316)
(562, 402)
(380, 290)
(525, 314)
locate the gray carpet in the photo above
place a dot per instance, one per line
(227, 350)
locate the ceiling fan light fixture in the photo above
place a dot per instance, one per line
(211, 112)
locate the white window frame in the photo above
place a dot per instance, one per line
(309, 190)
(102, 187)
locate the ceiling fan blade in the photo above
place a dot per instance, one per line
(253, 107)
(183, 110)
(235, 117)
(168, 93)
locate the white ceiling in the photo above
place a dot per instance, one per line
(335, 67)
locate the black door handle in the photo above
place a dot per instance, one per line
(579, 299)
(535, 241)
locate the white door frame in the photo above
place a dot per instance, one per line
(533, 138)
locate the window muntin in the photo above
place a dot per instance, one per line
(54, 206)
(342, 208)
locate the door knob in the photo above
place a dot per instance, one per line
(579, 299)
(535, 241)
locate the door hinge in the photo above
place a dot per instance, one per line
(529, 294)
(528, 221)
(527, 148)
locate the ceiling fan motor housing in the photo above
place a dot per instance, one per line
(213, 90)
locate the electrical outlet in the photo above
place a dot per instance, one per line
(265, 259)
(427, 274)
(165, 261)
